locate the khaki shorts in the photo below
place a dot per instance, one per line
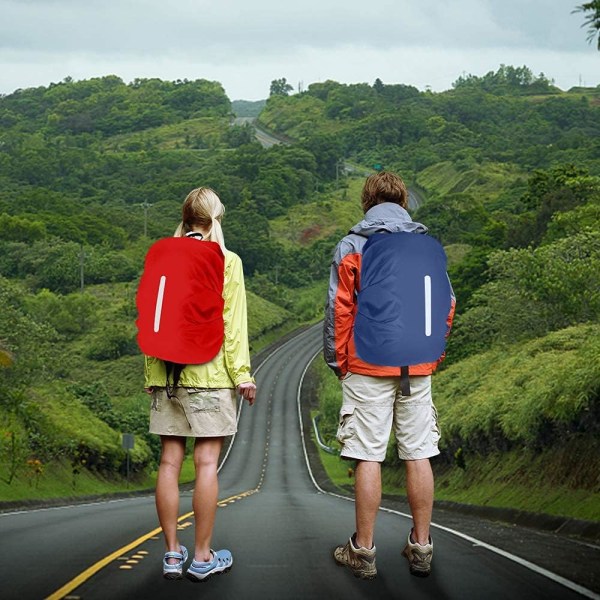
(194, 412)
(372, 405)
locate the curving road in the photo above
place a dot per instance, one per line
(265, 139)
(278, 524)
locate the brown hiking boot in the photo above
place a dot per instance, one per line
(361, 561)
(419, 557)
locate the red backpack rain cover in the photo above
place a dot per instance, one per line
(180, 301)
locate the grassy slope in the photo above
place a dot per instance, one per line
(486, 182)
(199, 133)
(497, 407)
(66, 421)
(58, 481)
(332, 211)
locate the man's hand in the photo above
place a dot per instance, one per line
(247, 391)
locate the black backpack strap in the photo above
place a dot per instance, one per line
(173, 369)
(404, 381)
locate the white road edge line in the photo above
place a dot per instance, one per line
(524, 563)
(241, 404)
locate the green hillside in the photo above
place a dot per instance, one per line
(520, 426)
(507, 168)
(92, 173)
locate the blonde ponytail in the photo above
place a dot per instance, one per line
(216, 234)
(180, 231)
(203, 208)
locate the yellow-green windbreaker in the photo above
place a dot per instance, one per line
(231, 366)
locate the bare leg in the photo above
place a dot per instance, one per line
(167, 488)
(368, 498)
(206, 492)
(419, 487)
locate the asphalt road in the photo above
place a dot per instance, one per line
(279, 526)
(265, 139)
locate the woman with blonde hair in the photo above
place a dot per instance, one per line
(203, 405)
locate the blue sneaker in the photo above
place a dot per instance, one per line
(174, 571)
(201, 571)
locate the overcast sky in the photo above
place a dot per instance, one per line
(245, 44)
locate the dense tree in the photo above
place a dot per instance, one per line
(507, 79)
(280, 87)
(238, 135)
(532, 292)
(322, 90)
(247, 233)
(107, 106)
(455, 218)
(592, 14)
(549, 192)
(25, 343)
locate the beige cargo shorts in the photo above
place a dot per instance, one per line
(371, 406)
(194, 412)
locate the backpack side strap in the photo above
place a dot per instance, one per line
(404, 381)
(175, 370)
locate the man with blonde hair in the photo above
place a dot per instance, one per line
(373, 397)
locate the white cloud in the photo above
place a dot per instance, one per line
(247, 44)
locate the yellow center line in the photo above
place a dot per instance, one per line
(91, 571)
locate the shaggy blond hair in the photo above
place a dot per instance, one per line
(384, 187)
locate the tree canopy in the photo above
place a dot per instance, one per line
(280, 87)
(591, 11)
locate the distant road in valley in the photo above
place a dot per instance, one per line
(264, 138)
(268, 140)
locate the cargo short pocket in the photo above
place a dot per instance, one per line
(202, 401)
(156, 394)
(436, 430)
(346, 425)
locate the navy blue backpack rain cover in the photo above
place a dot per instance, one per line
(404, 300)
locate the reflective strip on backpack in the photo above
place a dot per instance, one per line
(159, 303)
(427, 281)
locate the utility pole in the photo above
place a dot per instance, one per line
(145, 205)
(128, 444)
(81, 264)
(339, 167)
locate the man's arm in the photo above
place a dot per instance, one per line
(340, 309)
(449, 319)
